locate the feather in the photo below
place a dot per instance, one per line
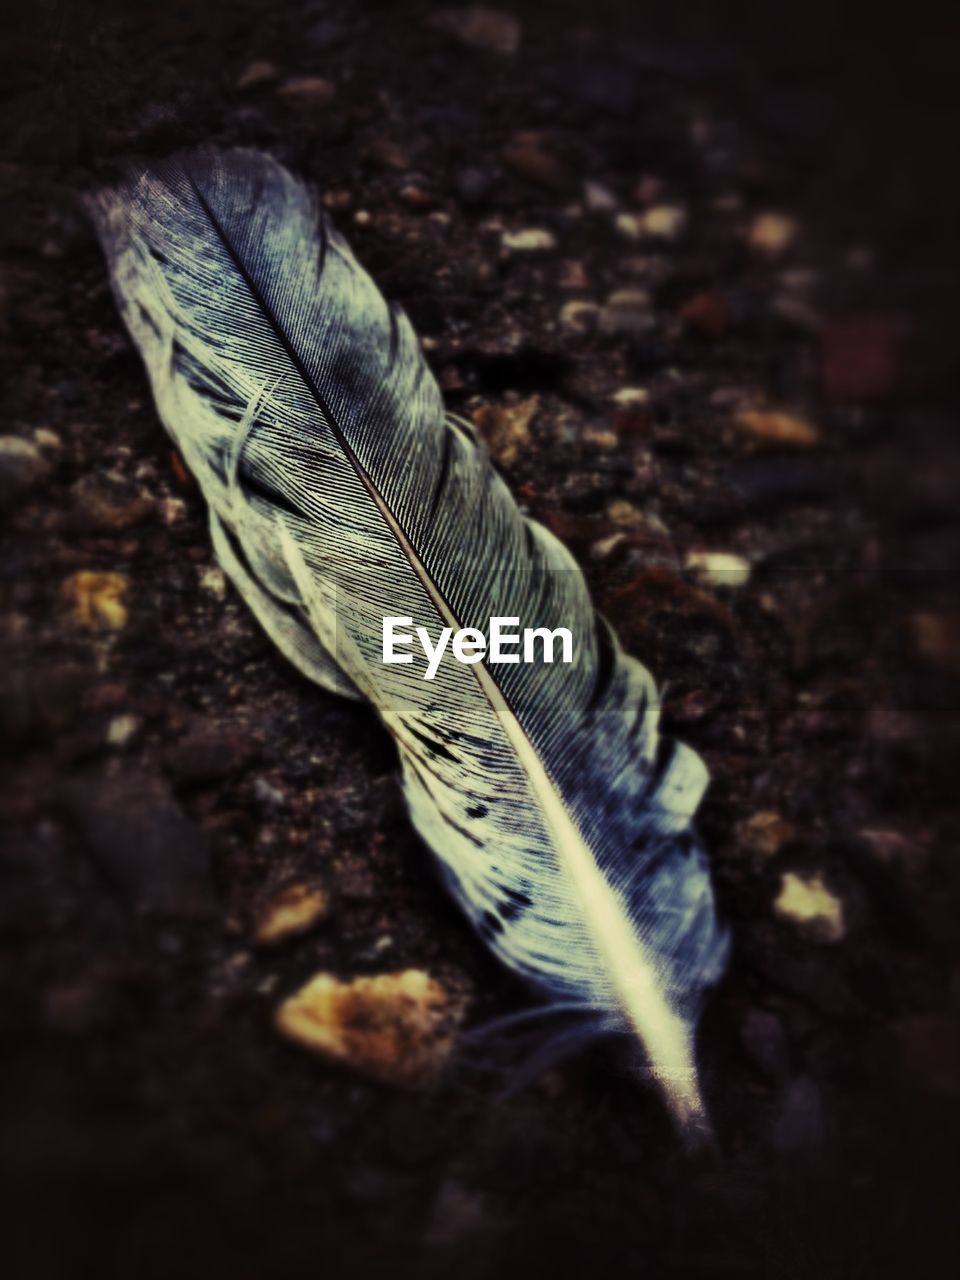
(339, 494)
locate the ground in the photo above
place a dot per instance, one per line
(731, 335)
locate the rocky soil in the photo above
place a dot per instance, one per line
(706, 333)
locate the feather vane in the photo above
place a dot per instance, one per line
(340, 493)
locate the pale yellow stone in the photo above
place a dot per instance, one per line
(121, 729)
(630, 225)
(213, 581)
(506, 427)
(720, 568)
(600, 439)
(630, 397)
(399, 1028)
(604, 547)
(293, 911)
(807, 903)
(664, 222)
(579, 317)
(95, 601)
(529, 240)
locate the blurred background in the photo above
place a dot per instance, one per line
(691, 269)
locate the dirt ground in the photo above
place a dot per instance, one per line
(737, 219)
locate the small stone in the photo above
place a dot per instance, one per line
(706, 315)
(627, 313)
(268, 795)
(807, 903)
(95, 601)
(479, 27)
(598, 438)
(765, 833)
(603, 548)
(664, 222)
(337, 200)
(625, 515)
(213, 581)
(257, 74)
(307, 91)
(632, 410)
(528, 155)
(631, 397)
(416, 197)
(292, 912)
(21, 467)
(720, 568)
(630, 225)
(774, 428)
(598, 198)
(398, 1028)
(771, 234)
(172, 510)
(572, 275)
(529, 240)
(799, 1123)
(506, 428)
(47, 439)
(122, 729)
(579, 317)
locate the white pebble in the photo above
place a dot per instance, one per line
(529, 240)
(121, 729)
(599, 199)
(721, 568)
(807, 903)
(665, 221)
